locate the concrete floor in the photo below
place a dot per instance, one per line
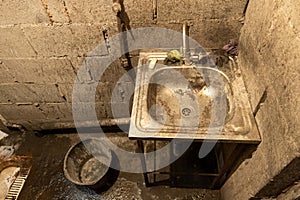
(46, 180)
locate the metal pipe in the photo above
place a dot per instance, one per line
(185, 42)
(101, 122)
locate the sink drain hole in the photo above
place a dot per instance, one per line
(186, 112)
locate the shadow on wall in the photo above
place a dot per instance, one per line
(219, 32)
(119, 9)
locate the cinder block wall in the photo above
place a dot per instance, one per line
(43, 43)
(269, 57)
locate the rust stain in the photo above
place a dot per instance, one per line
(67, 12)
(45, 5)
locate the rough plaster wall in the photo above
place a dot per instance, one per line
(43, 44)
(269, 57)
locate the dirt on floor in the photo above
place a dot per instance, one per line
(46, 180)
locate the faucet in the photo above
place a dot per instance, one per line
(185, 42)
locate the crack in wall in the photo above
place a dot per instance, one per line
(27, 39)
(246, 8)
(61, 94)
(262, 100)
(73, 67)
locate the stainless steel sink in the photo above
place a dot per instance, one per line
(178, 95)
(190, 101)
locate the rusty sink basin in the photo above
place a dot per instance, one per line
(190, 101)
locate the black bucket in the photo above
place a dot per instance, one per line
(82, 167)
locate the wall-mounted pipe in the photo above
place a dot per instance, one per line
(85, 124)
(185, 42)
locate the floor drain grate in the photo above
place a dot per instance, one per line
(17, 185)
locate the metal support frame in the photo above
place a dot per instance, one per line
(224, 167)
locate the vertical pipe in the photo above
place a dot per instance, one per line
(185, 42)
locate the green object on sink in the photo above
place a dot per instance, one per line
(174, 57)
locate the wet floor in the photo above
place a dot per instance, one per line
(46, 180)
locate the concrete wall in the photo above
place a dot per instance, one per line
(269, 57)
(43, 43)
